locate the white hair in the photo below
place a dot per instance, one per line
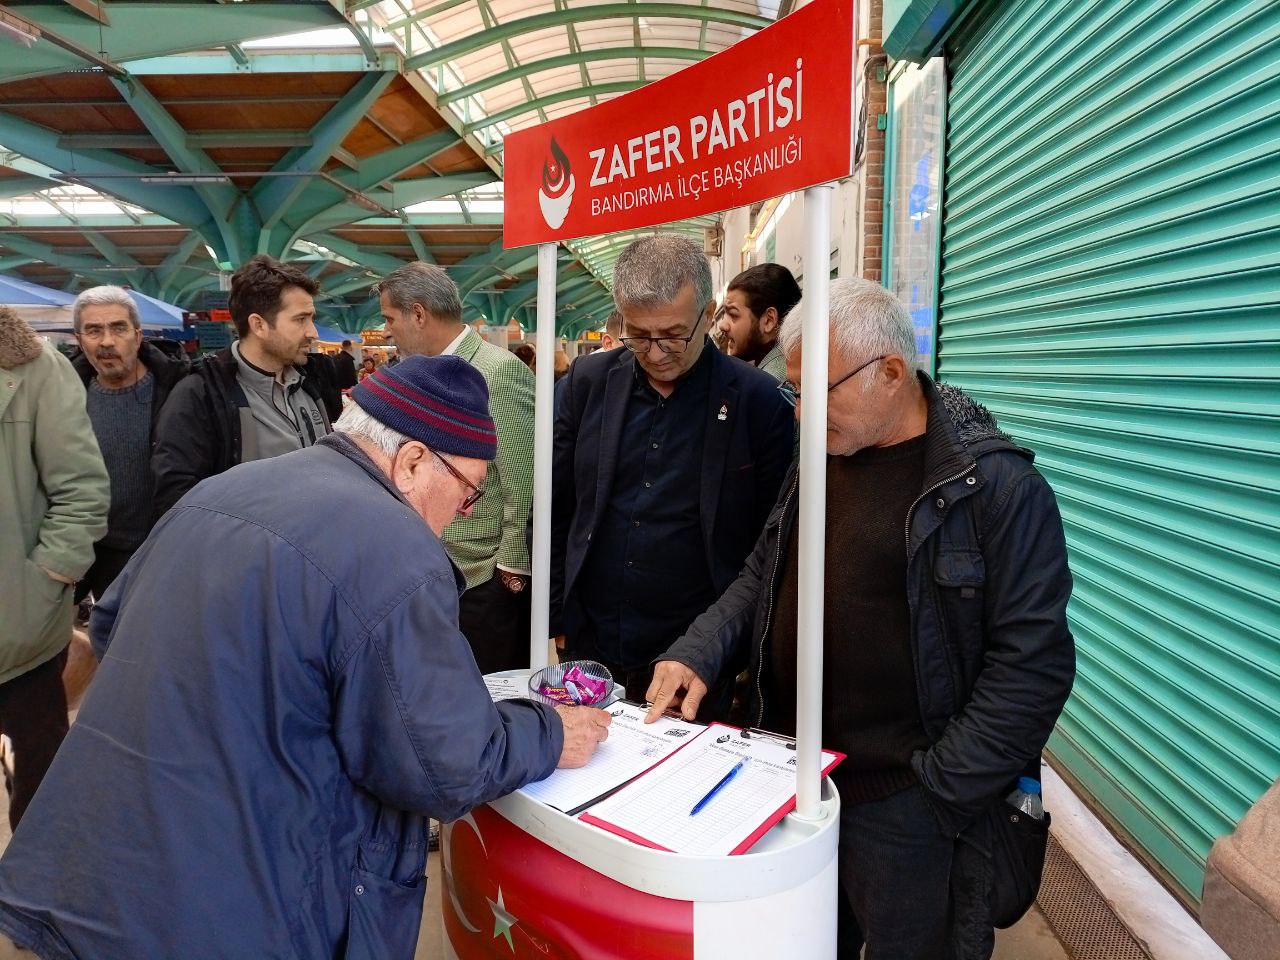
(866, 321)
(354, 422)
(653, 269)
(105, 296)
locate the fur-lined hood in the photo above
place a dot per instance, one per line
(18, 342)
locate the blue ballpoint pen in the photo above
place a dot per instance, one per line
(719, 786)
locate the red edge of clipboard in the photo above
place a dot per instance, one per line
(745, 845)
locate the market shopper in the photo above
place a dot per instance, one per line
(53, 507)
(947, 657)
(755, 306)
(252, 400)
(278, 712)
(127, 381)
(610, 337)
(668, 457)
(344, 366)
(423, 312)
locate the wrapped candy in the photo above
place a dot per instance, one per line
(558, 694)
(586, 690)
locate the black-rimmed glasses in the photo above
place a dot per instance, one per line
(792, 395)
(476, 492)
(640, 345)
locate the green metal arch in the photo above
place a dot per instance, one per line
(572, 60)
(559, 18)
(599, 89)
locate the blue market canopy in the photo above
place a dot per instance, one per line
(329, 334)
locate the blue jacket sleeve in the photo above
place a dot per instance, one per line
(415, 725)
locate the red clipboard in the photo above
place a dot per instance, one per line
(765, 826)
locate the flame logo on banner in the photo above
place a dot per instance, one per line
(557, 187)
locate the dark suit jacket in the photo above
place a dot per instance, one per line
(744, 458)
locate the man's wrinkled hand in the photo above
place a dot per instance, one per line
(584, 727)
(674, 685)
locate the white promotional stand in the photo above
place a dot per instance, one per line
(524, 880)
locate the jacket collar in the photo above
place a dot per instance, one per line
(18, 342)
(469, 346)
(959, 431)
(344, 445)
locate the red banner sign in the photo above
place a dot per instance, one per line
(771, 114)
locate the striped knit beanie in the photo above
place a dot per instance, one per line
(441, 401)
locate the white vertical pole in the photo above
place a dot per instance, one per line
(813, 500)
(543, 420)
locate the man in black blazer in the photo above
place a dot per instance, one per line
(668, 458)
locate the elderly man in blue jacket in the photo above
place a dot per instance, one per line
(284, 699)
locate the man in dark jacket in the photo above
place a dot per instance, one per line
(947, 655)
(279, 710)
(127, 381)
(252, 400)
(667, 459)
(345, 365)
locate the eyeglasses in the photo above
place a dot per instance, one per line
(476, 492)
(118, 329)
(640, 345)
(792, 395)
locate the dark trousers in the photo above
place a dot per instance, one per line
(33, 713)
(895, 883)
(107, 564)
(495, 622)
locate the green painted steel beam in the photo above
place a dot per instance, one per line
(8, 263)
(168, 269)
(172, 138)
(151, 29)
(21, 186)
(388, 164)
(108, 172)
(115, 256)
(197, 141)
(425, 13)
(261, 61)
(415, 240)
(558, 18)
(600, 89)
(272, 196)
(570, 60)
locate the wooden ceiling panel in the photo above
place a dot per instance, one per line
(458, 159)
(250, 86)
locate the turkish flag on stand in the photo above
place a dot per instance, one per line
(508, 894)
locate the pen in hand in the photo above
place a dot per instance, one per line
(724, 781)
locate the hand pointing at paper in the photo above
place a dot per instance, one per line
(584, 727)
(674, 685)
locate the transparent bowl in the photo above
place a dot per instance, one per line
(554, 676)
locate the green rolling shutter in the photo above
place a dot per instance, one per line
(1111, 290)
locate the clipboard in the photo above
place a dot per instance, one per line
(633, 747)
(655, 809)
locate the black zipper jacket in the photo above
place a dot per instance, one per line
(200, 433)
(166, 371)
(987, 583)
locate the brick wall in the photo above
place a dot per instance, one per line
(873, 154)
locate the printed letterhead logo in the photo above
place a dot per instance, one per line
(557, 187)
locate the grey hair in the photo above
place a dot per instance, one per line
(866, 320)
(103, 297)
(654, 269)
(356, 423)
(424, 284)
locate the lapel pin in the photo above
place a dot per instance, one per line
(724, 412)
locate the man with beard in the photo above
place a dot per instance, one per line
(127, 381)
(757, 302)
(252, 400)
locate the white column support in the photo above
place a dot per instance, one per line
(813, 500)
(544, 416)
